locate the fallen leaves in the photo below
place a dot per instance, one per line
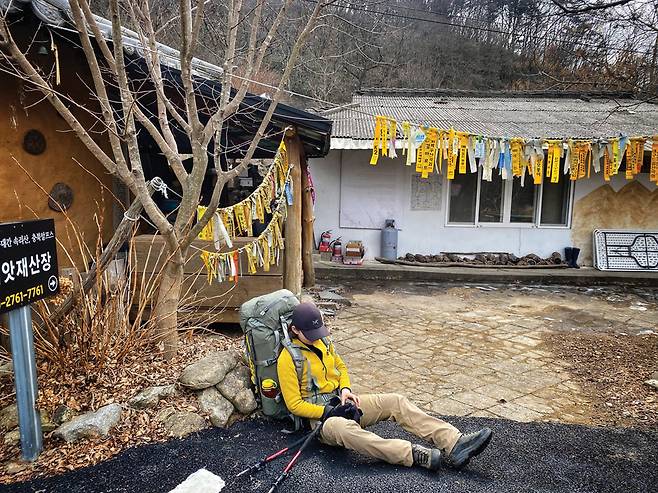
(115, 383)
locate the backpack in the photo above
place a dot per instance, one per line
(265, 321)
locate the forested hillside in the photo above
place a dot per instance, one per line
(462, 44)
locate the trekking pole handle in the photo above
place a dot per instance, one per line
(294, 459)
(259, 465)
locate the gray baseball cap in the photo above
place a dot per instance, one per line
(307, 318)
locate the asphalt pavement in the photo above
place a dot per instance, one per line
(522, 457)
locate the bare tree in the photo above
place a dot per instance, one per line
(119, 96)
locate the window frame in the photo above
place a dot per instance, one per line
(507, 206)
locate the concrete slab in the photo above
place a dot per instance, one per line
(585, 276)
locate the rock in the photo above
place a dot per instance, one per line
(245, 402)
(209, 371)
(236, 387)
(215, 404)
(235, 381)
(62, 414)
(181, 423)
(13, 437)
(9, 417)
(46, 424)
(150, 396)
(6, 370)
(16, 467)
(90, 425)
(165, 413)
(333, 297)
(652, 383)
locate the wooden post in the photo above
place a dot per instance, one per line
(308, 244)
(292, 274)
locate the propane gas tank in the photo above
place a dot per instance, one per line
(389, 240)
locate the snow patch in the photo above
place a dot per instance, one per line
(202, 481)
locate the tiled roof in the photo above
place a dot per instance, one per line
(501, 114)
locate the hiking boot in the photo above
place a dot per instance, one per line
(467, 447)
(429, 458)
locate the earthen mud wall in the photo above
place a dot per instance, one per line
(65, 160)
(632, 207)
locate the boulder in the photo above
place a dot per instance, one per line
(181, 423)
(9, 417)
(235, 382)
(216, 405)
(62, 414)
(150, 396)
(90, 425)
(245, 402)
(236, 387)
(209, 370)
(13, 437)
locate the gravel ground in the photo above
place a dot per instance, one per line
(523, 457)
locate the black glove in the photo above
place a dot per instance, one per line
(347, 411)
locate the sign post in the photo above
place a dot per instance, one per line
(28, 273)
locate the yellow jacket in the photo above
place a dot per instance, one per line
(330, 374)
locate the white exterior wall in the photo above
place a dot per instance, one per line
(424, 232)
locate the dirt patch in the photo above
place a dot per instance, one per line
(560, 317)
(612, 369)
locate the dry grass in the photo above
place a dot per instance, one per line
(115, 383)
(105, 351)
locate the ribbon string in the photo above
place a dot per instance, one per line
(432, 148)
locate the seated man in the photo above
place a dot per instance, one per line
(329, 378)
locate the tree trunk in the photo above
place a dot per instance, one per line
(165, 312)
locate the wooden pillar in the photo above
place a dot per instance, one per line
(308, 243)
(292, 272)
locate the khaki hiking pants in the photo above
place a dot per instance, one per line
(380, 407)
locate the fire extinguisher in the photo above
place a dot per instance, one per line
(325, 242)
(337, 251)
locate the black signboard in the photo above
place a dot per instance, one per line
(28, 263)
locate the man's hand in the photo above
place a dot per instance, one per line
(347, 411)
(346, 394)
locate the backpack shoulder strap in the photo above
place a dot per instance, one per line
(328, 342)
(297, 357)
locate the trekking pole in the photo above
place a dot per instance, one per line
(294, 459)
(259, 465)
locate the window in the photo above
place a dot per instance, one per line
(523, 202)
(491, 200)
(463, 196)
(555, 203)
(477, 202)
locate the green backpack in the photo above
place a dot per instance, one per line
(265, 321)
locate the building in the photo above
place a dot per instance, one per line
(44, 157)
(468, 214)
